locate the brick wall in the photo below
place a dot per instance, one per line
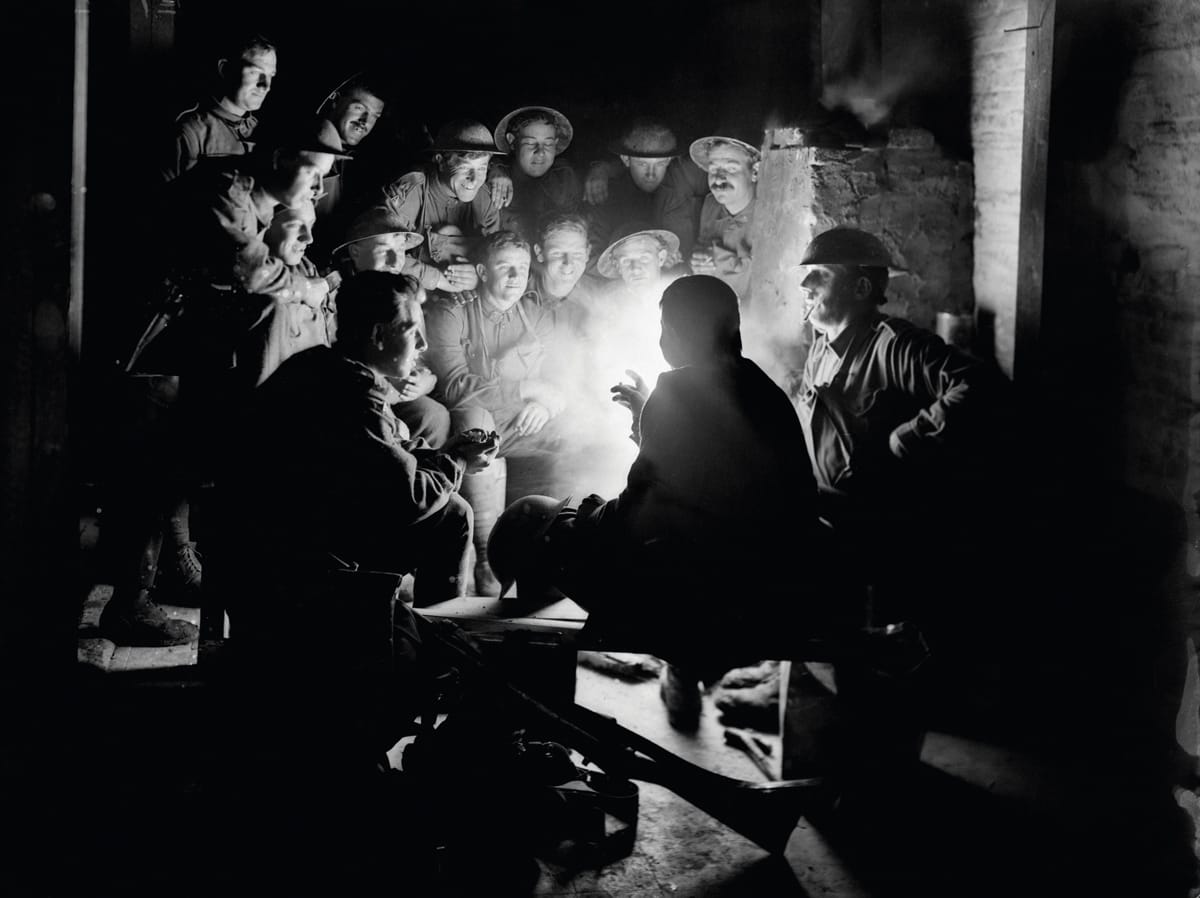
(1121, 330)
(997, 107)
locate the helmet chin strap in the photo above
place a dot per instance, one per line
(333, 93)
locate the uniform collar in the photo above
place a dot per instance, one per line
(537, 290)
(491, 313)
(243, 125)
(434, 181)
(744, 215)
(842, 343)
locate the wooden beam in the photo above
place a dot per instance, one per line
(1039, 64)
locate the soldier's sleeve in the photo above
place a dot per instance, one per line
(183, 151)
(678, 201)
(250, 264)
(415, 485)
(487, 211)
(403, 198)
(568, 189)
(428, 274)
(448, 336)
(955, 386)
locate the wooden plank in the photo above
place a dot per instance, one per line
(491, 608)
(1035, 141)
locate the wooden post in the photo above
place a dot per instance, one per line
(78, 177)
(1039, 64)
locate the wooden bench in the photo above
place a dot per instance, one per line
(554, 629)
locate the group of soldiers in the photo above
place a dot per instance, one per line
(532, 280)
(352, 356)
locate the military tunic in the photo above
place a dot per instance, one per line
(423, 203)
(728, 238)
(558, 190)
(211, 131)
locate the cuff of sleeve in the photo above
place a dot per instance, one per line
(905, 440)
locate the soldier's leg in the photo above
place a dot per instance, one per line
(442, 541)
(138, 491)
(484, 492)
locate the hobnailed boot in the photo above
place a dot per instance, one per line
(132, 618)
(181, 577)
(484, 492)
(140, 622)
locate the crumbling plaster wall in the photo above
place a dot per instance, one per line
(908, 193)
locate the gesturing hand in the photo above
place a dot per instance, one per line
(633, 396)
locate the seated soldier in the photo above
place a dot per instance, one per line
(343, 480)
(223, 125)
(621, 324)
(561, 252)
(542, 183)
(449, 190)
(652, 184)
(685, 562)
(376, 241)
(487, 354)
(723, 241)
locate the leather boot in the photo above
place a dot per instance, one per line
(485, 493)
(132, 618)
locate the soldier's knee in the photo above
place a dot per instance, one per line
(427, 419)
(470, 417)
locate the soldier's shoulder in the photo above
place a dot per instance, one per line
(190, 117)
(442, 307)
(901, 328)
(403, 185)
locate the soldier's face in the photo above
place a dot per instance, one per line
(731, 176)
(829, 296)
(355, 115)
(290, 233)
(383, 252)
(639, 260)
(305, 173)
(647, 174)
(402, 341)
(250, 78)
(506, 275)
(536, 146)
(465, 175)
(563, 256)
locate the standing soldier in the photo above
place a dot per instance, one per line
(353, 109)
(652, 184)
(723, 244)
(542, 183)
(223, 125)
(225, 282)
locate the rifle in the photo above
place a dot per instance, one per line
(765, 813)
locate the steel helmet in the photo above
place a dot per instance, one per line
(848, 246)
(518, 541)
